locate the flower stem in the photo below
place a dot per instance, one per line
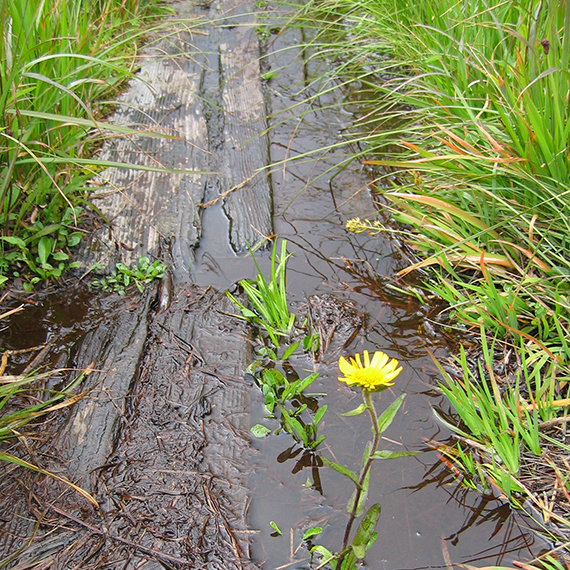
(367, 396)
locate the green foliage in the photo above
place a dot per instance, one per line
(311, 343)
(500, 421)
(268, 298)
(123, 276)
(58, 60)
(288, 399)
(469, 129)
(42, 249)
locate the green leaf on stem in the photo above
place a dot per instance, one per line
(273, 377)
(306, 382)
(290, 350)
(318, 442)
(44, 249)
(293, 426)
(393, 454)
(365, 531)
(362, 497)
(386, 418)
(355, 412)
(319, 415)
(343, 470)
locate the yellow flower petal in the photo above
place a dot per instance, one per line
(379, 360)
(358, 361)
(345, 367)
(376, 373)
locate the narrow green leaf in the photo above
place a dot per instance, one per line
(319, 415)
(306, 382)
(344, 470)
(393, 454)
(270, 400)
(386, 418)
(317, 442)
(50, 229)
(275, 527)
(299, 430)
(290, 350)
(363, 497)
(371, 541)
(365, 531)
(14, 241)
(44, 249)
(355, 412)
(291, 390)
(309, 533)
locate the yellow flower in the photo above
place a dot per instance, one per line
(376, 374)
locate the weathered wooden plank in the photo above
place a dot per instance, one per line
(245, 154)
(140, 206)
(115, 346)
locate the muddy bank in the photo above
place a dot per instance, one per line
(160, 441)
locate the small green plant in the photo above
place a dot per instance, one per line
(58, 61)
(478, 132)
(268, 298)
(498, 421)
(311, 343)
(285, 400)
(279, 392)
(263, 33)
(42, 249)
(122, 276)
(276, 529)
(374, 375)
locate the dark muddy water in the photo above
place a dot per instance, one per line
(427, 519)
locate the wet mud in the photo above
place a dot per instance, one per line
(161, 437)
(160, 440)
